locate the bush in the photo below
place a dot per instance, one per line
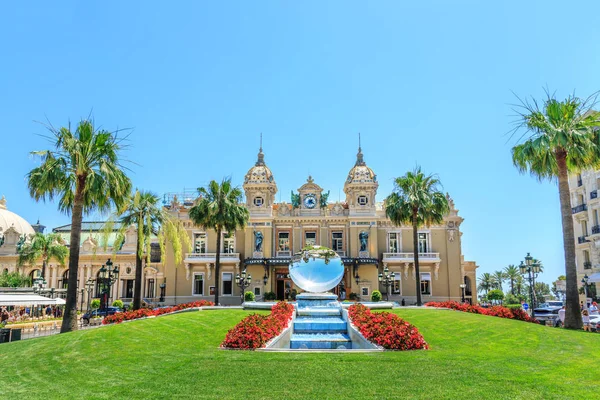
(376, 295)
(354, 296)
(270, 296)
(118, 303)
(386, 329)
(495, 311)
(293, 294)
(249, 296)
(95, 304)
(147, 312)
(495, 294)
(511, 299)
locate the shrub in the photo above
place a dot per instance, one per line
(511, 299)
(495, 311)
(353, 296)
(270, 296)
(386, 329)
(147, 312)
(256, 330)
(118, 303)
(95, 304)
(495, 294)
(376, 295)
(249, 296)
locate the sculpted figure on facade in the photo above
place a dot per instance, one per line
(364, 240)
(258, 241)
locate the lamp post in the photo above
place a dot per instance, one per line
(108, 276)
(531, 268)
(162, 287)
(386, 279)
(243, 281)
(462, 291)
(89, 287)
(585, 280)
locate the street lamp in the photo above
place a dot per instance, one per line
(162, 287)
(531, 268)
(89, 287)
(462, 291)
(585, 280)
(386, 279)
(243, 282)
(107, 276)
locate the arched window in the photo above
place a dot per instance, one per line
(35, 274)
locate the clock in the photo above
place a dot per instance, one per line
(310, 201)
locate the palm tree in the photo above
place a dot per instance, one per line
(416, 201)
(84, 172)
(498, 277)
(562, 138)
(511, 273)
(219, 207)
(46, 247)
(142, 210)
(486, 282)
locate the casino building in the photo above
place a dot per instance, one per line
(357, 229)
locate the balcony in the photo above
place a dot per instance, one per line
(594, 194)
(587, 265)
(408, 257)
(595, 229)
(211, 257)
(579, 208)
(582, 239)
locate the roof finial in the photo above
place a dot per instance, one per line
(3, 202)
(261, 156)
(260, 150)
(359, 156)
(359, 142)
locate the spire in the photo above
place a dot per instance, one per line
(359, 156)
(3, 203)
(261, 156)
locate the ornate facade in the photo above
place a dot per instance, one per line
(357, 229)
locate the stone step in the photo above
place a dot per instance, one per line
(319, 311)
(322, 324)
(323, 341)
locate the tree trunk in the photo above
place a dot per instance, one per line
(44, 272)
(69, 322)
(572, 313)
(137, 292)
(217, 267)
(416, 255)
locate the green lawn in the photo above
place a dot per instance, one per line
(471, 356)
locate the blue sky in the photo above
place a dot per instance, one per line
(427, 83)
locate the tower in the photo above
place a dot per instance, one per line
(260, 187)
(361, 187)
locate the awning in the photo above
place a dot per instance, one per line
(594, 277)
(28, 300)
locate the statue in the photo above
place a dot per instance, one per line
(324, 198)
(295, 200)
(364, 240)
(1, 239)
(258, 240)
(21, 242)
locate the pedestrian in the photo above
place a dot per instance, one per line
(594, 308)
(586, 321)
(561, 316)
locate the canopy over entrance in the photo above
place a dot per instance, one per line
(28, 300)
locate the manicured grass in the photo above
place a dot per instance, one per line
(471, 356)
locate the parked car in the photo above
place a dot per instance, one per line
(99, 313)
(548, 312)
(595, 322)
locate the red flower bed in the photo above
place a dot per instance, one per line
(255, 330)
(148, 312)
(386, 329)
(494, 311)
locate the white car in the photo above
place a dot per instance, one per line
(595, 321)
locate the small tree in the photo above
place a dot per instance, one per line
(249, 296)
(495, 294)
(118, 303)
(376, 296)
(95, 304)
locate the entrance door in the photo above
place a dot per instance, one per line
(280, 289)
(283, 286)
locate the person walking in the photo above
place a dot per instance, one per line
(561, 315)
(594, 308)
(586, 320)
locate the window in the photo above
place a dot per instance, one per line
(595, 217)
(155, 255)
(337, 241)
(426, 283)
(584, 230)
(423, 242)
(200, 243)
(228, 243)
(283, 241)
(128, 288)
(310, 238)
(65, 280)
(258, 201)
(150, 288)
(363, 200)
(198, 289)
(364, 291)
(393, 242)
(211, 290)
(397, 285)
(257, 291)
(227, 284)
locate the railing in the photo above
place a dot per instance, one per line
(587, 265)
(582, 239)
(594, 194)
(595, 229)
(283, 254)
(410, 256)
(579, 208)
(211, 256)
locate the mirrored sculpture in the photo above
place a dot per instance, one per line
(316, 269)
